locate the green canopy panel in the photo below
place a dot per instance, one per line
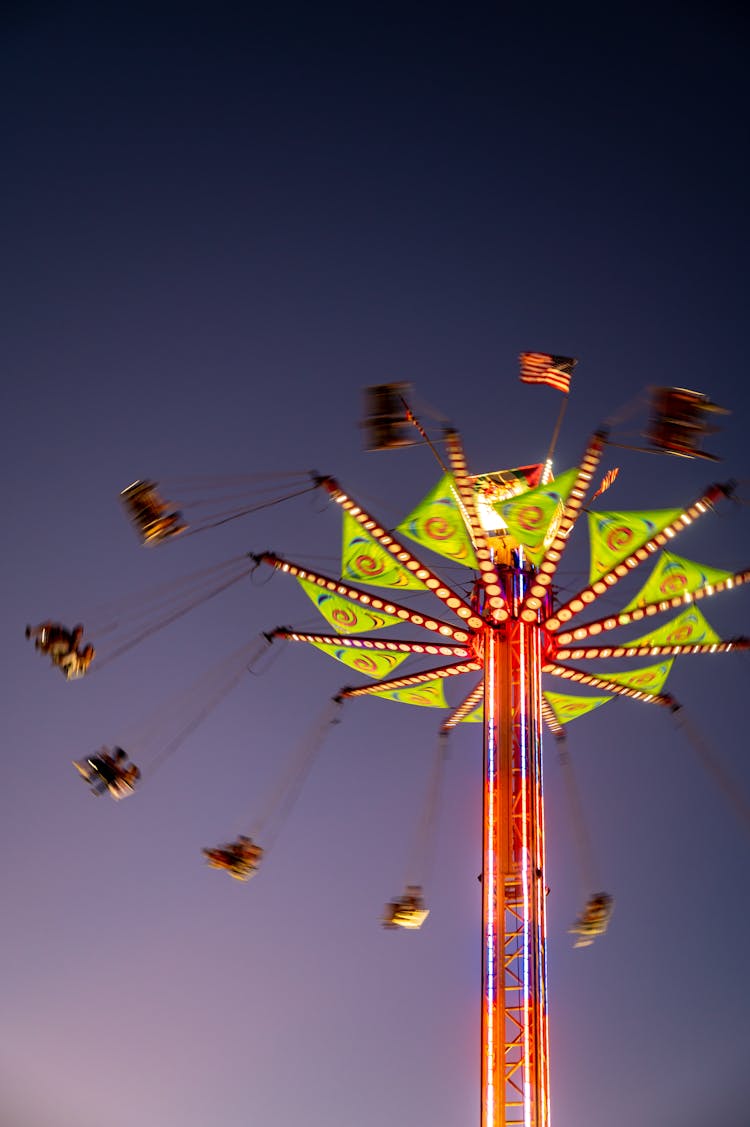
(430, 694)
(689, 628)
(437, 523)
(567, 708)
(533, 516)
(674, 575)
(615, 536)
(345, 615)
(650, 679)
(364, 559)
(372, 664)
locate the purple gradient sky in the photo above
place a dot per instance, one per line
(216, 232)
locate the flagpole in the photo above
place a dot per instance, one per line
(547, 471)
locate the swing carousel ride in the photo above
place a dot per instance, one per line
(501, 631)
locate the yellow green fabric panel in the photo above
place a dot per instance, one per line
(567, 708)
(650, 679)
(614, 536)
(532, 516)
(346, 616)
(373, 663)
(437, 523)
(674, 575)
(365, 560)
(430, 694)
(689, 628)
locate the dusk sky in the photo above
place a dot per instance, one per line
(218, 229)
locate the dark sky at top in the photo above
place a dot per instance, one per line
(218, 226)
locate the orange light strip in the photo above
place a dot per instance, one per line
(600, 586)
(652, 651)
(402, 554)
(363, 643)
(488, 571)
(364, 598)
(579, 677)
(600, 625)
(415, 679)
(467, 705)
(541, 582)
(551, 720)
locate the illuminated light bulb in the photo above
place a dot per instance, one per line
(492, 589)
(460, 636)
(403, 614)
(533, 602)
(670, 531)
(599, 587)
(453, 602)
(402, 556)
(389, 608)
(443, 593)
(368, 524)
(632, 562)
(528, 615)
(575, 606)
(446, 630)
(553, 624)
(378, 604)
(548, 565)
(621, 570)
(544, 580)
(486, 565)
(595, 628)
(588, 596)
(483, 554)
(422, 573)
(432, 583)
(475, 623)
(322, 583)
(430, 624)
(412, 564)
(618, 651)
(465, 612)
(386, 540)
(577, 654)
(564, 614)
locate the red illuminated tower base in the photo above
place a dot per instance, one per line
(515, 1076)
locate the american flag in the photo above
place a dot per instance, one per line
(540, 367)
(607, 480)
